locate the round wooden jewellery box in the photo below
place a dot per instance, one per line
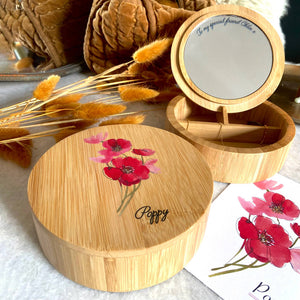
(228, 60)
(121, 207)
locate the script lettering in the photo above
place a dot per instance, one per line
(154, 216)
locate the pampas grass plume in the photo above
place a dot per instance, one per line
(61, 110)
(136, 93)
(71, 98)
(135, 69)
(92, 111)
(81, 124)
(165, 96)
(152, 51)
(136, 119)
(7, 133)
(20, 152)
(45, 88)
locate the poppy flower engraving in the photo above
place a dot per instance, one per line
(265, 239)
(127, 170)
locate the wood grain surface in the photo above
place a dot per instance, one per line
(74, 207)
(236, 152)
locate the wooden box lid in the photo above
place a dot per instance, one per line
(76, 190)
(227, 57)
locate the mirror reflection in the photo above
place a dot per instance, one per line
(227, 57)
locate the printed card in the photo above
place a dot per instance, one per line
(251, 247)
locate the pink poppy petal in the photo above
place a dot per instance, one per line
(263, 223)
(142, 172)
(101, 137)
(261, 205)
(129, 179)
(268, 197)
(247, 229)
(118, 162)
(279, 236)
(118, 146)
(106, 152)
(295, 259)
(105, 135)
(92, 140)
(125, 144)
(96, 139)
(277, 198)
(251, 253)
(133, 162)
(290, 209)
(101, 159)
(259, 249)
(256, 208)
(143, 152)
(150, 165)
(113, 173)
(296, 228)
(247, 205)
(268, 185)
(279, 255)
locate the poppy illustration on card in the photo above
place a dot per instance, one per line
(264, 239)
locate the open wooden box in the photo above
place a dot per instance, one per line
(113, 221)
(228, 60)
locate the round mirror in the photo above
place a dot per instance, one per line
(227, 57)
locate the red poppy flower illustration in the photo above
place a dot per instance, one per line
(127, 170)
(265, 241)
(115, 147)
(268, 185)
(295, 259)
(143, 152)
(296, 228)
(275, 205)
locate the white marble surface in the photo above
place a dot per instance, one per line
(24, 271)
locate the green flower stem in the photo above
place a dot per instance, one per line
(238, 270)
(242, 247)
(253, 267)
(128, 197)
(123, 197)
(227, 265)
(296, 240)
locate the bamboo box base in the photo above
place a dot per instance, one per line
(76, 202)
(242, 147)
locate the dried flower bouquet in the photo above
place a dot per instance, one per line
(60, 112)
